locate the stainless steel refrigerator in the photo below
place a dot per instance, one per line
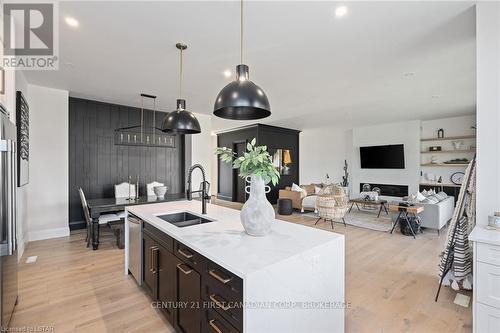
(8, 230)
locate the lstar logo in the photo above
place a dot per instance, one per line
(30, 35)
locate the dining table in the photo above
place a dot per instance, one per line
(100, 206)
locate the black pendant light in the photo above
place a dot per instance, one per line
(242, 99)
(180, 121)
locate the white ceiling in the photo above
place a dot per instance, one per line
(317, 70)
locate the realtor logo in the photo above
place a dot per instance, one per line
(30, 35)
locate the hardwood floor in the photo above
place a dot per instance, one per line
(390, 284)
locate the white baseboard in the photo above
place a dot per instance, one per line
(49, 233)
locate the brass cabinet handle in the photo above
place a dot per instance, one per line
(150, 259)
(154, 255)
(185, 254)
(179, 266)
(219, 278)
(214, 326)
(219, 303)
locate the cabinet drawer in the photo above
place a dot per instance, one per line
(189, 256)
(219, 276)
(225, 302)
(487, 284)
(160, 236)
(213, 322)
(487, 253)
(487, 319)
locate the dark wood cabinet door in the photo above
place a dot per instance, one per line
(150, 279)
(240, 183)
(167, 281)
(188, 316)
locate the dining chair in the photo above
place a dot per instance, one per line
(150, 188)
(124, 190)
(103, 218)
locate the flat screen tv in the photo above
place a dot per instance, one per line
(382, 157)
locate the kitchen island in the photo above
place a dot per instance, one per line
(291, 280)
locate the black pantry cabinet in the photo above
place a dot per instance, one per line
(283, 145)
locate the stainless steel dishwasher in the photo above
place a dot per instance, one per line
(135, 247)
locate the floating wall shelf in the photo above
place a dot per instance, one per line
(462, 137)
(463, 151)
(448, 165)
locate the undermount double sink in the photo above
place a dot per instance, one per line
(184, 219)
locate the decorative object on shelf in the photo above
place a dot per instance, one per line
(180, 121)
(242, 99)
(457, 177)
(366, 188)
(440, 179)
(434, 159)
(377, 191)
(440, 133)
(23, 139)
(494, 221)
(256, 166)
(457, 144)
(435, 148)
(139, 135)
(430, 177)
(457, 161)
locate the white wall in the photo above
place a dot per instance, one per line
(455, 126)
(48, 178)
(201, 153)
(488, 108)
(22, 192)
(322, 151)
(407, 133)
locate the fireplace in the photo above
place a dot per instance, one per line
(389, 190)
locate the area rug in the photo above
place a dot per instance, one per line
(364, 219)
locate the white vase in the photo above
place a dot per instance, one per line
(257, 214)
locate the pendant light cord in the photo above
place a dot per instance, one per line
(241, 32)
(180, 76)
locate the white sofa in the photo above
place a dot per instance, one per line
(435, 216)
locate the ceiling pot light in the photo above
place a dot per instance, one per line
(180, 121)
(340, 11)
(71, 21)
(242, 99)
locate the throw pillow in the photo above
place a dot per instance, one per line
(317, 189)
(431, 199)
(420, 196)
(296, 188)
(441, 196)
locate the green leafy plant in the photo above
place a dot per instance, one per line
(255, 161)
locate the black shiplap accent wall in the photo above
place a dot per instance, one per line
(96, 163)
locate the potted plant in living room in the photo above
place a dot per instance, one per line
(345, 179)
(256, 167)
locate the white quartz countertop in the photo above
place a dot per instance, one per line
(225, 241)
(483, 234)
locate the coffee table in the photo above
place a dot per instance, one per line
(363, 201)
